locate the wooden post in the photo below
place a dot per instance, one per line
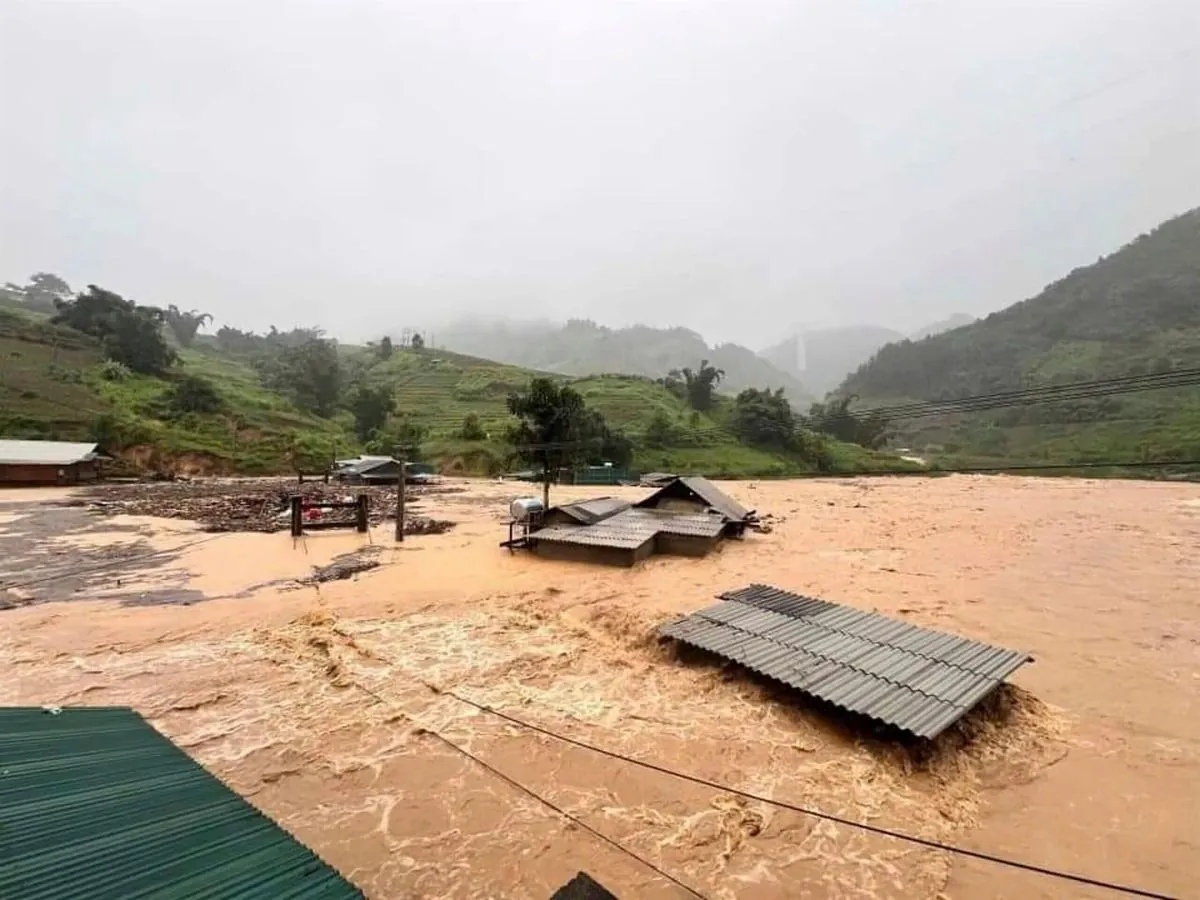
(361, 519)
(400, 499)
(297, 518)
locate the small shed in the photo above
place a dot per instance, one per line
(367, 470)
(33, 463)
(608, 530)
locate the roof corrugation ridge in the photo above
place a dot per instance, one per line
(962, 646)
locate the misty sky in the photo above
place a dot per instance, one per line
(736, 167)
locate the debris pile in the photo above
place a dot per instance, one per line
(260, 505)
(347, 565)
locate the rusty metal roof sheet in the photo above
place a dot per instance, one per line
(916, 679)
(95, 803)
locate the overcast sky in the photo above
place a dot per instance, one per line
(735, 167)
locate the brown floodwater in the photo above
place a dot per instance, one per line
(321, 704)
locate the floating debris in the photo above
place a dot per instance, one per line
(347, 565)
(224, 505)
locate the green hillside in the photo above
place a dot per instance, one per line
(55, 383)
(1134, 312)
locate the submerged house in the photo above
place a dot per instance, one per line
(686, 517)
(380, 470)
(29, 463)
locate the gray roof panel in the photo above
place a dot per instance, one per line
(44, 453)
(916, 679)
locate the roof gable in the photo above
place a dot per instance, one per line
(694, 487)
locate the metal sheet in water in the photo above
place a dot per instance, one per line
(917, 679)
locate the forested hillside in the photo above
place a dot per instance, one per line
(148, 385)
(1136, 311)
(582, 347)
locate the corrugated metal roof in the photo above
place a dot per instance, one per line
(589, 512)
(44, 453)
(583, 887)
(661, 522)
(631, 528)
(917, 679)
(94, 803)
(703, 490)
(593, 536)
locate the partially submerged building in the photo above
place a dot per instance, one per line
(380, 470)
(685, 517)
(33, 463)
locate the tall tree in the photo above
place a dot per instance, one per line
(867, 429)
(697, 386)
(311, 372)
(384, 349)
(371, 407)
(130, 334)
(42, 293)
(764, 418)
(418, 342)
(184, 325)
(554, 429)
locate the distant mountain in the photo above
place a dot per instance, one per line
(581, 347)
(822, 358)
(958, 320)
(1134, 312)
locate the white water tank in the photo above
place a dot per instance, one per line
(525, 508)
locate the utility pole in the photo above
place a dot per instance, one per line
(400, 457)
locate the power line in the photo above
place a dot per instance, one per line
(812, 813)
(530, 792)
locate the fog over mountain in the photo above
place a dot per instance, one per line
(729, 168)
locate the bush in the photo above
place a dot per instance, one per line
(193, 394)
(472, 429)
(111, 370)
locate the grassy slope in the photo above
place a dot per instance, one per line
(52, 387)
(1133, 312)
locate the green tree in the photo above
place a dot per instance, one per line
(184, 325)
(661, 431)
(42, 293)
(764, 418)
(193, 394)
(418, 342)
(554, 429)
(129, 334)
(311, 372)
(472, 428)
(384, 348)
(697, 386)
(371, 407)
(834, 418)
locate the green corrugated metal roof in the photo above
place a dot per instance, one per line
(96, 804)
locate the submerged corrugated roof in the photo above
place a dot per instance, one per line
(44, 453)
(94, 803)
(583, 887)
(703, 490)
(589, 512)
(630, 528)
(917, 679)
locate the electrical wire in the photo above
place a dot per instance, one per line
(806, 811)
(530, 792)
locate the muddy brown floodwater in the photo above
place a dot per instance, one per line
(314, 699)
